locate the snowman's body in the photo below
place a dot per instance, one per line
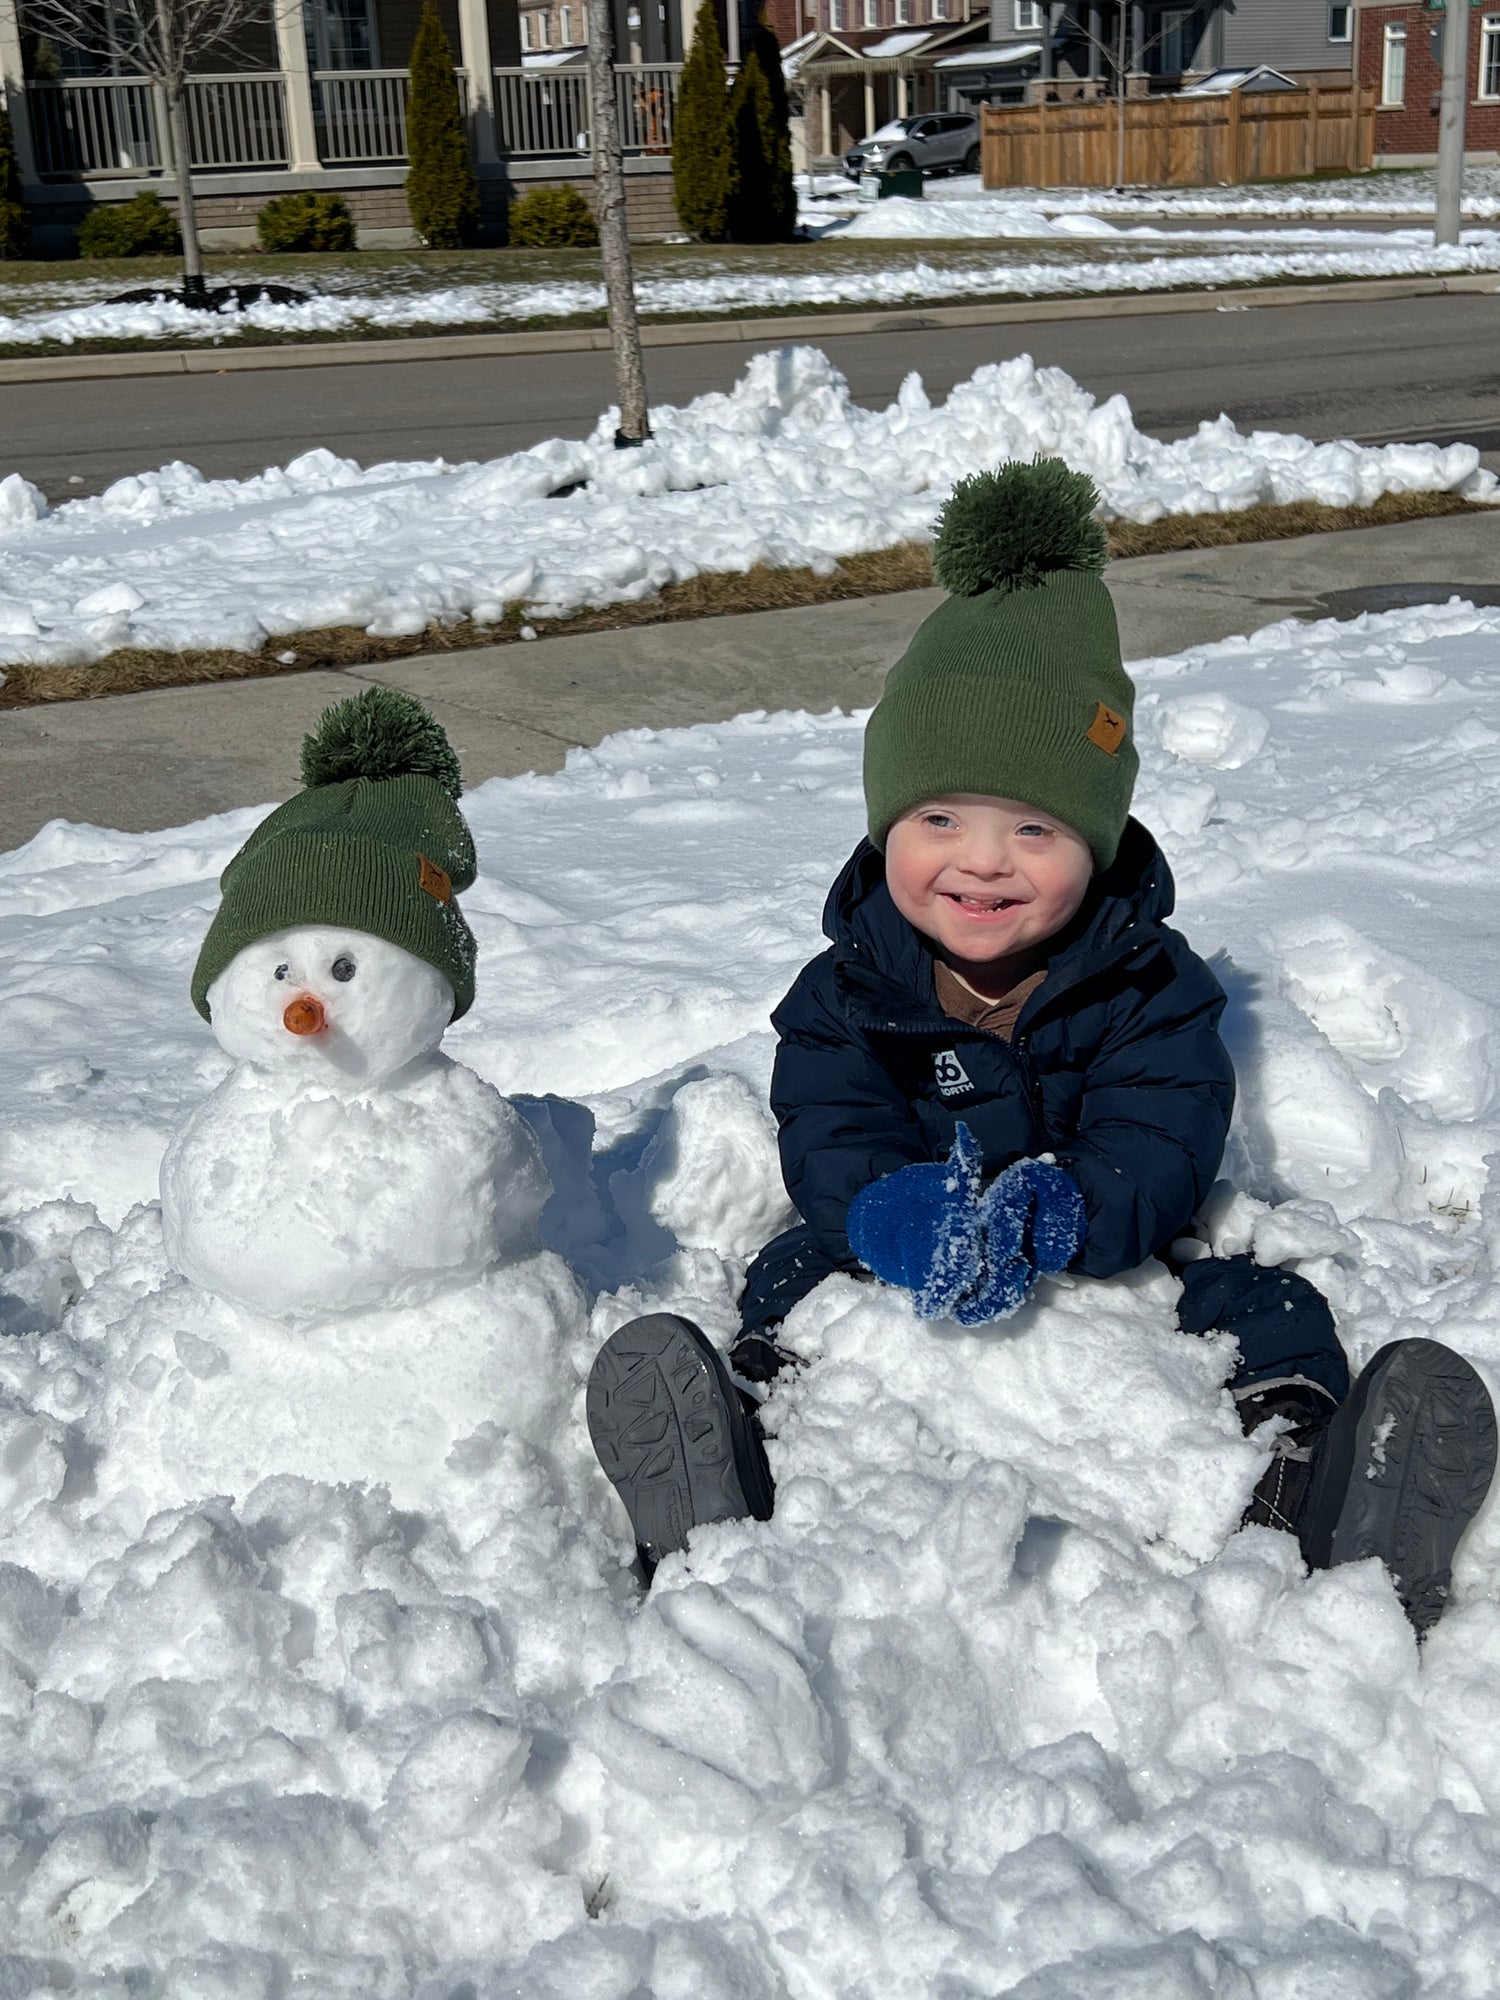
(345, 1163)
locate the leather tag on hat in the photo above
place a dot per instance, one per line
(433, 880)
(1107, 729)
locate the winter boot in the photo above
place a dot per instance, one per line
(674, 1434)
(1402, 1470)
(1281, 1492)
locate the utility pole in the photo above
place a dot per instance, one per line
(1452, 106)
(614, 230)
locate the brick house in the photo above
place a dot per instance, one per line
(1399, 54)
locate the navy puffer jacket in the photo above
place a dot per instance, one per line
(1116, 1066)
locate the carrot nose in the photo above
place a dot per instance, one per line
(304, 1016)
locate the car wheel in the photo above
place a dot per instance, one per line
(901, 164)
(971, 160)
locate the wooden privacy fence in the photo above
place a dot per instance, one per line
(1181, 141)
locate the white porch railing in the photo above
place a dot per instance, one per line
(98, 126)
(114, 126)
(542, 114)
(361, 114)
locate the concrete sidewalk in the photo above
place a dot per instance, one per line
(151, 760)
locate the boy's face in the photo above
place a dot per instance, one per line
(986, 879)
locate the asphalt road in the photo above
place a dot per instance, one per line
(1412, 368)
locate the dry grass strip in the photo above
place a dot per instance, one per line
(133, 670)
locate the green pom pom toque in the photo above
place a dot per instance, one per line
(381, 733)
(1006, 530)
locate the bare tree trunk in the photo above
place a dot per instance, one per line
(187, 210)
(614, 231)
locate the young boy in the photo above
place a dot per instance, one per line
(1008, 1065)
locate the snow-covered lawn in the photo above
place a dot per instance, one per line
(295, 1698)
(1404, 192)
(785, 469)
(1032, 249)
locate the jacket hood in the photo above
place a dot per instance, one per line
(876, 949)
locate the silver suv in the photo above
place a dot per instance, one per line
(935, 140)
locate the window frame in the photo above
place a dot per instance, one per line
(1346, 8)
(1026, 17)
(1393, 38)
(1489, 59)
(1181, 19)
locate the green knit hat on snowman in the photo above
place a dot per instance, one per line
(375, 843)
(1014, 687)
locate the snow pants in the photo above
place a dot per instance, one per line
(1282, 1323)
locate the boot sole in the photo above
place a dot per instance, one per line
(1406, 1466)
(671, 1431)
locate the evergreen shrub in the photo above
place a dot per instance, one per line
(14, 231)
(553, 218)
(442, 194)
(306, 222)
(142, 227)
(702, 140)
(763, 208)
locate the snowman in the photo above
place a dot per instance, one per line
(346, 1163)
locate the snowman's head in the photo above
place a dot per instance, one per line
(340, 1005)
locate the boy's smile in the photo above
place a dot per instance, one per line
(989, 881)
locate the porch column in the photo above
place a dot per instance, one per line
(901, 105)
(826, 93)
(291, 57)
(13, 83)
(1047, 64)
(1136, 61)
(1094, 22)
(474, 41)
(869, 104)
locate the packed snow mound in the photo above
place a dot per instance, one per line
(322, 1661)
(785, 469)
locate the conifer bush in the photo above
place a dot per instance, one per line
(442, 194)
(14, 232)
(553, 218)
(702, 139)
(142, 227)
(306, 222)
(763, 207)
(781, 187)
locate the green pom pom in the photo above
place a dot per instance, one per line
(381, 733)
(1005, 530)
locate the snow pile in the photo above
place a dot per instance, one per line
(322, 1667)
(786, 469)
(1402, 192)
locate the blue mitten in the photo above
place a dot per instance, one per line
(1034, 1222)
(920, 1228)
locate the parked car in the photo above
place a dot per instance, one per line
(946, 140)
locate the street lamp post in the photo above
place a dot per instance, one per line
(1451, 107)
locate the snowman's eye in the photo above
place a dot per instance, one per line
(343, 969)
(282, 971)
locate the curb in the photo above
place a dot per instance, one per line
(702, 333)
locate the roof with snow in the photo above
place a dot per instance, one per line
(1222, 81)
(990, 56)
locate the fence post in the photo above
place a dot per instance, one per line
(291, 54)
(1310, 130)
(1232, 139)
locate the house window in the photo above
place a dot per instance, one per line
(1339, 24)
(835, 14)
(340, 34)
(903, 13)
(1393, 64)
(1028, 16)
(539, 24)
(872, 13)
(565, 29)
(1176, 41)
(1489, 57)
(939, 10)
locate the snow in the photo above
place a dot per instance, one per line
(1128, 259)
(322, 1667)
(785, 469)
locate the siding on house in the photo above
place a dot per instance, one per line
(1288, 34)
